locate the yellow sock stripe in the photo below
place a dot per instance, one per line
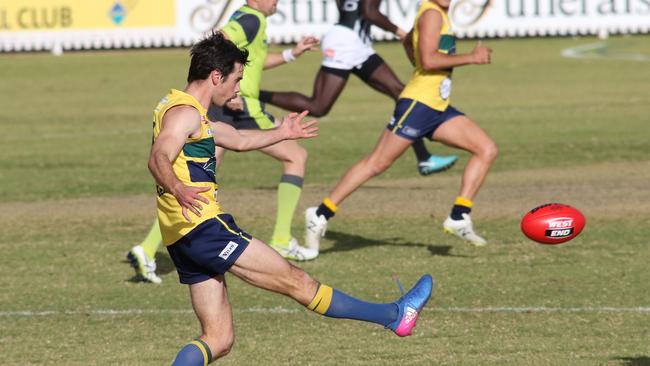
(231, 230)
(202, 349)
(322, 300)
(463, 202)
(401, 120)
(329, 204)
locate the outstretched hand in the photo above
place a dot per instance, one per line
(293, 127)
(482, 54)
(189, 197)
(306, 44)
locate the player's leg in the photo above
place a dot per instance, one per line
(212, 308)
(328, 85)
(463, 133)
(388, 149)
(142, 257)
(293, 158)
(262, 267)
(376, 73)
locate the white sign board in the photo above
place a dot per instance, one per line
(27, 25)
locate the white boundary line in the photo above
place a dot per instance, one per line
(582, 52)
(281, 310)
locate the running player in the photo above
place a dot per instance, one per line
(423, 110)
(204, 242)
(347, 48)
(247, 29)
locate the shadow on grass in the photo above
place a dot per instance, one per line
(164, 263)
(345, 242)
(634, 361)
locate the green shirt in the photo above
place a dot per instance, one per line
(247, 29)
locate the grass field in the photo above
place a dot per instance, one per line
(76, 195)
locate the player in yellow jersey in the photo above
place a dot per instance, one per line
(423, 110)
(204, 242)
(247, 29)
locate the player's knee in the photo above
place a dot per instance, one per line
(490, 151)
(319, 109)
(376, 167)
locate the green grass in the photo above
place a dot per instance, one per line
(76, 195)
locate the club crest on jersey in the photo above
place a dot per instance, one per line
(560, 227)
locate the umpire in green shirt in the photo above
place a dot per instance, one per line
(247, 29)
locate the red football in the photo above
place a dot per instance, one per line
(552, 223)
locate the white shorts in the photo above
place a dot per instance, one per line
(343, 49)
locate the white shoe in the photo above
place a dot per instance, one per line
(145, 268)
(463, 229)
(315, 228)
(295, 251)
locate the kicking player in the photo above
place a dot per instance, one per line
(247, 29)
(347, 48)
(204, 242)
(423, 110)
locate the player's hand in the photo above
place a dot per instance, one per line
(306, 44)
(293, 128)
(481, 54)
(190, 198)
(401, 34)
(235, 104)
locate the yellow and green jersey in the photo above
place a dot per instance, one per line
(194, 166)
(247, 29)
(432, 88)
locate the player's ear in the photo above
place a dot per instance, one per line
(217, 77)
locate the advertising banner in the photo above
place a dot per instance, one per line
(33, 25)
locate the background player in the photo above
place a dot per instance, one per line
(247, 29)
(204, 242)
(424, 106)
(347, 48)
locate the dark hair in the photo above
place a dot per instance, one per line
(214, 53)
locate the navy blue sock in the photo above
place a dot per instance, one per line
(336, 304)
(193, 354)
(325, 211)
(458, 210)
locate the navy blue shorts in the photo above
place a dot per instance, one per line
(208, 250)
(413, 120)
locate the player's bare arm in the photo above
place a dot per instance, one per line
(370, 11)
(291, 128)
(178, 124)
(276, 59)
(430, 23)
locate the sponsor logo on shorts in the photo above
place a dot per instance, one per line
(560, 227)
(410, 131)
(228, 250)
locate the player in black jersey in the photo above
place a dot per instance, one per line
(347, 48)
